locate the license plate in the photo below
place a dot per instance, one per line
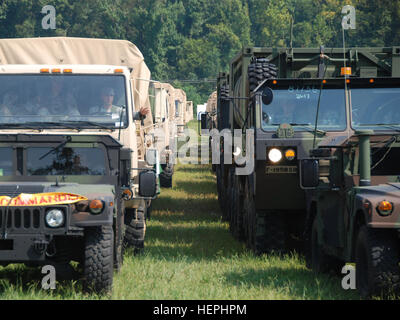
(280, 169)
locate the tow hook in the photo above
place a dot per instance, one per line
(40, 245)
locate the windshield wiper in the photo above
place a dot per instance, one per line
(392, 126)
(306, 126)
(36, 125)
(56, 148)
(89, 123)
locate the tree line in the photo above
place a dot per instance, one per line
(195, 39)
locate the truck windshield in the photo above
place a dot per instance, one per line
(298, 106)
(6, 162)
(375, 108)
(72, 100)
(66, 161)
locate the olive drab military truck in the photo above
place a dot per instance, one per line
(165, 131)
(69, 170)
(352, 180)
(277, 93)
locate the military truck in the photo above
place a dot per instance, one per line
(165, 130)
(353, 209)
(279, 93)
(180, 107)
(70, 179)
(189, 112)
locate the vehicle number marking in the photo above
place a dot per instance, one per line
(280, 169)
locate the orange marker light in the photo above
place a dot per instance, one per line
(96, 206)
(274, 82)
(290, 154)
(118, 71)
(371, 80)
(385, 208)
(67, 70)
(56, 70)
(324, 81)
(346, 71)
(44, 70)
(347, 81)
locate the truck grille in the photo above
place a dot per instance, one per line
(22, 218)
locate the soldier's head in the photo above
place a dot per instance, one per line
(107, 96)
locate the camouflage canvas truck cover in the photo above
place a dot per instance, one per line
(68, 178)
(353, 207)
(276, 92)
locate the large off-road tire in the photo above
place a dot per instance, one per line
(229, 196)
(259, 70)
(320, 261)
(98, 259)
(377, 262)
(166, 176)
(135, 222)
(236, 224)
(119, 234)
(221, 188)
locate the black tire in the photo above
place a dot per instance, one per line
(320, 261)
(259, 70)
(229, 196)
(135, 222)
(119, 233)
(236, 225)
(98, 259)
(166, 176)
(377, 262)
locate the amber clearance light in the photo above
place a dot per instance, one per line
(385, 208)
(290, 154)
(96, 206)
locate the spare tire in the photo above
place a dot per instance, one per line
(259, 70)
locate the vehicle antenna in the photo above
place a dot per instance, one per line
(322, 67)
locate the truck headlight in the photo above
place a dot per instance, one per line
(385, 208)
(275, 155)
(55, 218)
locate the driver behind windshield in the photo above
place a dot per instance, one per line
(9, 104)
(106, 107)
(59, 101)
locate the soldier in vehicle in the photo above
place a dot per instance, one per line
(59, 102)
(9, 104)
(107, 107)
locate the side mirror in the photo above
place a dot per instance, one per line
(147, 184)
(203, 119)
(267, 96)
(309, 174)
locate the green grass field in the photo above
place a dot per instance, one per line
(190, 254)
